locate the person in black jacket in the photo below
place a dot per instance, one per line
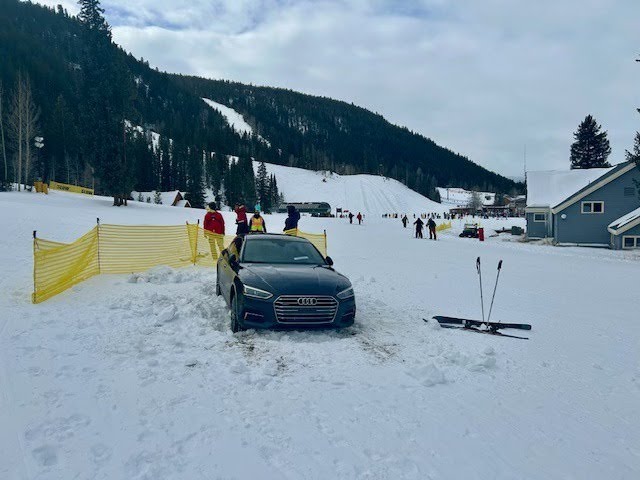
(405, 220)
(418, 223)
(432, 229)
(293, 216)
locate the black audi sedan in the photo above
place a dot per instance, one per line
(281, 281)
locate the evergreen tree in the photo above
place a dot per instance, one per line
(195, 182)
(591, 147)
(92, 16)
(262, 186)
(5, 182)
(157, 197)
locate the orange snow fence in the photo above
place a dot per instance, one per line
(128, 249)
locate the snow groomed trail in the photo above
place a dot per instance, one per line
(138, 376)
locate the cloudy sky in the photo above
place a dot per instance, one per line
(484, 78)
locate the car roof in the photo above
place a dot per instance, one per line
(271, 236)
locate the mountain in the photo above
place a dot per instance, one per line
(89, 93)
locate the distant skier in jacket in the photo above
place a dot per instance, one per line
(432, 229)
(257, 207)
(241, 219)
(257, 223)
(359, 217)
(419, 224)
(293, 217)
(405, 220)
(214, 229)
(350, 217)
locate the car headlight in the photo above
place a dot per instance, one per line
(256, 293)
(346, 293)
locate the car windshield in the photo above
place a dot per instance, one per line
(281, 250)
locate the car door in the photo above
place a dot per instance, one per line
(225, 272)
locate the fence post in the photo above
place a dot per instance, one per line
(195, 250)
(326, 252)
(33, 295)
(98, 247)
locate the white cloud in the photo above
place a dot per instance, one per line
(482, 78)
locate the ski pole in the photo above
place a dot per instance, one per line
(480, 276)
(494, 289)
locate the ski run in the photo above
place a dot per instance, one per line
(139, 377)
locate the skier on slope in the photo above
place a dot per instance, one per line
(418, 223)
(293, 216)
(214, 229)
(359, 217)
(405, 220)
(257, 223)
(241, 218)
(350, 217)
(432, 229)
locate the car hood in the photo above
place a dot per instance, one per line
(294, 279)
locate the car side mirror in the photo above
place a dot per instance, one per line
(329, 261)
(233, 261)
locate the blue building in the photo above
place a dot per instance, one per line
(588, 207)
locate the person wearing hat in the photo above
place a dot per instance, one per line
(214, 229)
(257, 223)
(241, 218)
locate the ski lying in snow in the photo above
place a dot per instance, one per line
(477, 323)
(469, 328)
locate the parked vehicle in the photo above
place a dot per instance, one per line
(470, 230)
(281, 281)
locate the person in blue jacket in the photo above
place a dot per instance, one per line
(293, 216)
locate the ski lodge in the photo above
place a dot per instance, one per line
(597, 207)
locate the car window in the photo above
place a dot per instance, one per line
(282, 251)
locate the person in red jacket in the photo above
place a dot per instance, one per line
(241, 219)
(214, 229)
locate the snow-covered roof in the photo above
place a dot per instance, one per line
(167, 198)
(629, 220)
(183, 203)
(549, 188)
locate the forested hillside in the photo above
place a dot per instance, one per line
(62, 78)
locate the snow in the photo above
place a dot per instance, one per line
(369, 194)
(549, 188)
(459, 197)
(625, 219)
(235, 119)
(139, 377)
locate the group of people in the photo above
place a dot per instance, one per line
(215, 230)
(359, 217)
(431, 225)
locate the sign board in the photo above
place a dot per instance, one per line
(338, 210)
(70, 188)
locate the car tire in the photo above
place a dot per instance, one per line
(236, 326)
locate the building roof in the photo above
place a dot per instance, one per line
(625, 222)
(549, 188)
(183, 203)
(167, 198)
(609, 176)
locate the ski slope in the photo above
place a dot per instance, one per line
(459, 197)
(369, 194)
(139, 377)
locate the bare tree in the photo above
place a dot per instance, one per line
(475, 202)
(23, 123)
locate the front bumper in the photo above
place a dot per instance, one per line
(261, 314)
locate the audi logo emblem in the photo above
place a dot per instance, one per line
(307, 301)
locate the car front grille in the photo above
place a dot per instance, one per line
(305, 309)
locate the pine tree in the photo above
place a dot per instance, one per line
(195, 178)
(157, 197)
(262, 185)
(4, 183)
(591, 147)
(91, 15)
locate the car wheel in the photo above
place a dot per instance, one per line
(236, 326)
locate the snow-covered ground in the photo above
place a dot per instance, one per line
(369, 194)
(139, 377)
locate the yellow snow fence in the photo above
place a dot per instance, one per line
(128, 249)
(443, 226)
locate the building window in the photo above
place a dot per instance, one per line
(592, 207)
(539, 217)
(631, 241)
(629, 191)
